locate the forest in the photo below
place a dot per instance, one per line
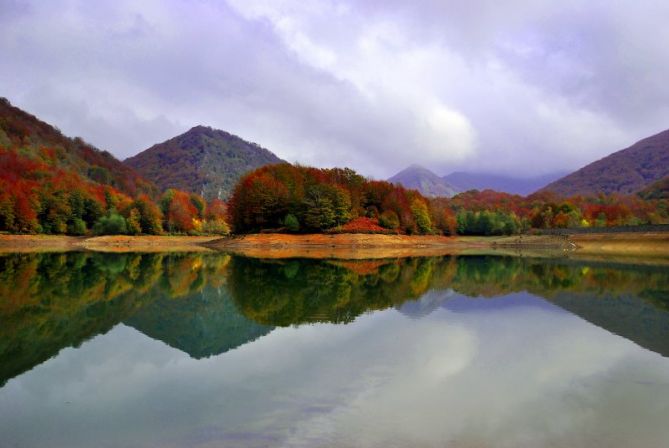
(288, 198)
(37, 196)
(53, 184)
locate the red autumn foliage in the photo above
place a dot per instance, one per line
(363, 225)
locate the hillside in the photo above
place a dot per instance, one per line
(32, 139)
(657, 190)
(513, 185)
(425, 181)
(627, 171)
(203, 160)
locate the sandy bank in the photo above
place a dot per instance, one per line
(342, 246)
(116, 243)
(355, 246)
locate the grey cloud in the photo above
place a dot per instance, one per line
(515, 87)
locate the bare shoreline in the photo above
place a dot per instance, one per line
(353, 246)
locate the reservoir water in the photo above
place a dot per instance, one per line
(214, 350)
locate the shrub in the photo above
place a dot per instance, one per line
(389, 220)
(111, 224)
(291, 222)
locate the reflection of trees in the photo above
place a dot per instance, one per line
(491, 276)
(632, 301)
(294, 292)
(51, 301)
(193, 301)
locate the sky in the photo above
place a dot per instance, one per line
(518, 87)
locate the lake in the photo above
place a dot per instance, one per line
(215, 350)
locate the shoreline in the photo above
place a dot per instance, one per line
(354, 246)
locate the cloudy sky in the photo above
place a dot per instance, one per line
(517, 87)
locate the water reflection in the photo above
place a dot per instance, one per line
(207, 304)
(213, 350)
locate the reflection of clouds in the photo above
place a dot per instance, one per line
(522, 376)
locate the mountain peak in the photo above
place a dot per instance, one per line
(202, 160)
(423, 180)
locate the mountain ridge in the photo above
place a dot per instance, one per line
(202, 160)
(21, 129)
(432, 185)
(626, 171)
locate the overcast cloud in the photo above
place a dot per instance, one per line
(521, 87)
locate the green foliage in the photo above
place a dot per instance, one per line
(389, 220)
(487, 223)
(77, 227)
(150, 217)
(216, 227)
(199, 204)
(111, 224)
(421, 216)
(291, 222)
(320, 211)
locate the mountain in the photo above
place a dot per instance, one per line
(657, 190)
(514, 185)
(626, 171)
(203, 324)
(203, 160)
(429, 184)
(32, 140)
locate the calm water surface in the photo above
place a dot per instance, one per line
(210, 350)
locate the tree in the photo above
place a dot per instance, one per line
(320, 211)
(111, 224)
(389, 220)
(133, 222)
(291, 222)
(421, 216)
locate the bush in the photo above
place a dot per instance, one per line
(291, 222)
(389, 220)
(111, 224)
(77, 227)
(215, 227)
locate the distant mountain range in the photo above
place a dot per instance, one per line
(627, 171)
(430, 184)
(514, 185)
(203, 160)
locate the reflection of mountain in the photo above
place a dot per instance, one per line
(426, 303)
(202, 324)
(464, 304)
(51, 301)
(205, 304)
(625, 315)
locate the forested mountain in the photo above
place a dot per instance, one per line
(465, 181)
(30, 138)
(203, 160)
(425, 181)
(53, 184)
(627, 171)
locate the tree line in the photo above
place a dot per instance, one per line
(289, 198)
(38, 196)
